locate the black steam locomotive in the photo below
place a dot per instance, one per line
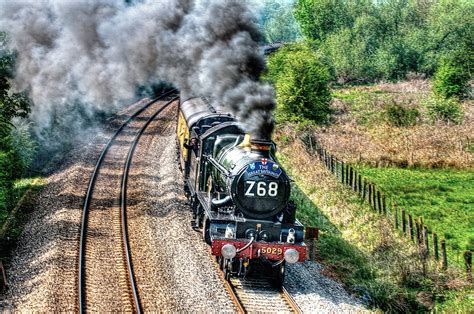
(238, 193)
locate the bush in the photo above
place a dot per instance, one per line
(450, 80)
(442, 109)
(301, 80)
(23, 148)
(6, 182)
(372, 40)
(400, 116)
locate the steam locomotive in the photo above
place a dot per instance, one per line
(238, 192)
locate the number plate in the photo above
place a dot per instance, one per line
(271, 250)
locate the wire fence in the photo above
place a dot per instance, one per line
(413, 228)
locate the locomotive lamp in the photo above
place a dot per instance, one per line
(291, 236)
(229, 251)
(291, 256)
(229, 231)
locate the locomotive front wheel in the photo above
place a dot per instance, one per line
(278, 275)
(227, 268)
(206, 233)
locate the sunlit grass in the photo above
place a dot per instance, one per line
(20, 187)
(443, 197)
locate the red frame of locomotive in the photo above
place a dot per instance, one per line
(259, 249)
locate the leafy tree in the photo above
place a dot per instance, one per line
(319, 18)
(301, 80)
(11, 104)
(450, 32)
(368, 40)
(276, 20)
(451, 79)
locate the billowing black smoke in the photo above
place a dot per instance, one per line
(96, 53)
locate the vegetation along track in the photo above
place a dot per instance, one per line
(114, 220)
(258, 295)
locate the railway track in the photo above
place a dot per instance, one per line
(258, 295)
(115, 222)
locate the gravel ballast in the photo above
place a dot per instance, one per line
(173, 267)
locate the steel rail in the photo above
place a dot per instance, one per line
(291, 302)
(123, 204)
(88, 198)
(230, 290)
(240, 304)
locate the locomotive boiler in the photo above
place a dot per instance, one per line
(238, 192)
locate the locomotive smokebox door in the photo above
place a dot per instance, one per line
(262, 189)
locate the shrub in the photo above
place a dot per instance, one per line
(301, 80)
(442, 109)
(23, 148)
(450, 80)
(400, 116)
(6, 182)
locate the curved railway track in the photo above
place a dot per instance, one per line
(85, 232)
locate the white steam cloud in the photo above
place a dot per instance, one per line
(94, 54)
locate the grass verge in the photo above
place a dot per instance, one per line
(13, 220)
(360, 248)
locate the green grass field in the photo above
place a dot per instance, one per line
(20, 187)
(443, 197)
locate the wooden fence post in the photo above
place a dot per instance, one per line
(444, 255)
(364, 188)
(348, 178)
(410, 226)
(360, 184)
(342, 171)
(418, 232)
(384, 205)
(395, 210)
(404, 222)
(354, 183)
(351, 173)
(435, 246)
(370, 194)
(468, 262)
(374, 196)
(379, 201)
(425, 238)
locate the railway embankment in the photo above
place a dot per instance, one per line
(387, 254)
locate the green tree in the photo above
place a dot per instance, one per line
(451, 79)
(450, 34)
(301, 80)
(319, 18)
(278, 22)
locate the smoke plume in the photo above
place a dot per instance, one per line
(95, 53)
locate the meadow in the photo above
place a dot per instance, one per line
(444, 198)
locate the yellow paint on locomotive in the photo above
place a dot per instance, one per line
(183, 135)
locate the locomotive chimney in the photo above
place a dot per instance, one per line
(260, 146)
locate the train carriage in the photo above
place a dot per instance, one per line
(238, 192)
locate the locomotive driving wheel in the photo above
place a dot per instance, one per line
(278, 275)
(206, 232)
